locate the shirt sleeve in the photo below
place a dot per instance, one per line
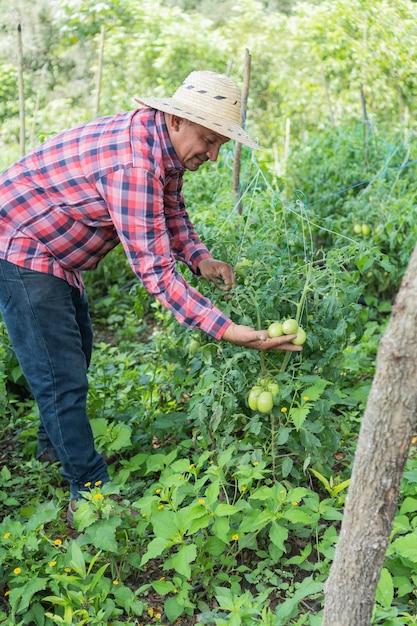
(186, 246)
(153, 239)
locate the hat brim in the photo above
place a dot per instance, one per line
(175, 107)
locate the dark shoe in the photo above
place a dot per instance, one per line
(48, 457)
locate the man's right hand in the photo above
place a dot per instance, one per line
(258, 339)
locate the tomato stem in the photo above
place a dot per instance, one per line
(299, 311)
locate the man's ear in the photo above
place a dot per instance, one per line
(173, 121)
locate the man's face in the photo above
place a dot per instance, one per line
(193, 144)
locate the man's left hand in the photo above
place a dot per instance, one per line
(220, 273)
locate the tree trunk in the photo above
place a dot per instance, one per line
(384, 440)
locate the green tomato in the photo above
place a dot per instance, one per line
(265, 402)
(290, 327)
(275, 329)
(193, 346)
(357, 229)
(366, 230)
(273, 387)
(253, 397)
(301, 337)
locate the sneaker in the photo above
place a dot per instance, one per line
(72, 505)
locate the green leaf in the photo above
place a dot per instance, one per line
(28, 590)
(224, 509)
(98, 576)
(221, 529)
(77, 560)
(406, 547)
(314, 392)
(263, 493)
(163, 587)
(256, 520)
(102, 534)
(409, 505)
(181, 561)
(287, 466)
(122, 439)
(298, 415)
(173, 608)
(214, 546)
(307, 588)
(45, 514)
(278, 535)
(84, 516)
(155, 549)
(5, 474)
(298, 516)
(385, 589)
(165, 524)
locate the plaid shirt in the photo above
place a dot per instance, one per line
(66, 204)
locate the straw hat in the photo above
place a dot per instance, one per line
(209, 99)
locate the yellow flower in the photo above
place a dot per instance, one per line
(162, 578)
(98, 496)
(150, 611)
(52, 563)
(87, 484)
(243, 489)
(7, 593)
(284, 409)
(305, 398)
(160, 507)
(255, 463)
(191, 466)
(414, 440)
(201, 501)
(115, 582)
(158, 615)
(98, 483)
(67, 569)
(58, 542)
(17, 570)
(294, 503)
(235, 537)
(158, 490)
(7, 535)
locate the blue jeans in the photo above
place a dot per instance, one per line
(50, 329)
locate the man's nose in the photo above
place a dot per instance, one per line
(213, 153)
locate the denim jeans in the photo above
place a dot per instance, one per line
(50, 329)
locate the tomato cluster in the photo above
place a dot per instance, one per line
(362, 229)
(288, 327)
(263, 395)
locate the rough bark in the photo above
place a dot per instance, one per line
(384, 440)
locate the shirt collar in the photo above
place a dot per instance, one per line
(169, 156)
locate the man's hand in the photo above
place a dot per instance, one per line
(220, 273)
(258, 339)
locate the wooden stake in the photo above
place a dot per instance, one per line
(238, 150)
(21, 91)
(99, 72)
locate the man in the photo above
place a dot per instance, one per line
(66, 204)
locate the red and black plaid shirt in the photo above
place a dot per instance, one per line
(66, 204)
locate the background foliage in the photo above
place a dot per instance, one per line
(226, 515)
